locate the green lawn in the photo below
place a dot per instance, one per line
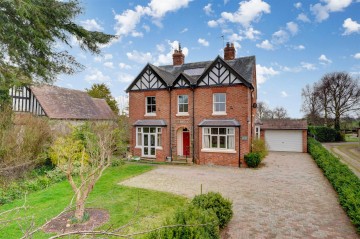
(120, 201)
(351, 138)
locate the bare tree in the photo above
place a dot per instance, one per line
(280, 113)
(88, 150)
(322, 90)
(263, 111)
(311, 106)
(342, 94)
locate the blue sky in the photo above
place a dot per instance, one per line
(295, 42)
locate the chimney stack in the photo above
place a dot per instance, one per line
(229, 51)
(178, 57)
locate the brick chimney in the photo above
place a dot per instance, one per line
(178, 57)
(229, 51)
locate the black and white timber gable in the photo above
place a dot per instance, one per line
(181, 82)
(148, 80)
(23, 100)
(219, 73)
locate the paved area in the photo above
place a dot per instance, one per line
(348, 152)
(288, 197)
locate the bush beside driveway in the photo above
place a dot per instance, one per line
(288, 197)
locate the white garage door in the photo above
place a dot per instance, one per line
(284, 140)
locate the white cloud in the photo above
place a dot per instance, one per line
(124, 66)
(160, 48)
(97, 75)
(351, 26)
(203, 42)
(184, 30)
(208, 10)
(146, 27)
(298, 5)
(212, 23)
(357, 56)
(280, 37)
(308, 66)
(292, 27)
(263, 73)
(109, 64)
(248, 12)
(108, 56)
(91, 25)
(302, 17)
(251, 33)
(127, 21)
(97, 58)
(140, 57)
(266, 45)
(322, 12)
(125, 77)
(160, 7)
(324, 60)
(284, 94)
(299, 47)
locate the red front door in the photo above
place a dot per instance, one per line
(186, 143)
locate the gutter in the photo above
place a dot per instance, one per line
(170, 146)
(193, 124)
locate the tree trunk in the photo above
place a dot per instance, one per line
(337, 122)
(80, 209)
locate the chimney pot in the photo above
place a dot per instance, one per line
(178, 57)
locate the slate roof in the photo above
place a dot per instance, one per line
(243, 66)
(283, 124)
(219, 123)
(160, 123)
(62, 103)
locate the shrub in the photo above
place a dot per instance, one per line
(117, 162)
(340, 137)
(259, 146)
(215, 202)
(252, 159)
(344, 181)
(323, 134)
(194, 223)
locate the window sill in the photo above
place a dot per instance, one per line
(225, 151)
(150, 114)
(182, 114)
(219, 113)
(138, 147)
(158, 147)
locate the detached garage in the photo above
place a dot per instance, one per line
(285, 135)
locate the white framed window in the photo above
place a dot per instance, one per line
(219, 138)
(257, 132)
(151, 105)
(183, 104)
(219, 103)
(138, 137)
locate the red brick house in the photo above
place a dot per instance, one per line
(201, 111)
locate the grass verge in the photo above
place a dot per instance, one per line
(120, 201)
(344, 181)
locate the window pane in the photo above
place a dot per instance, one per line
(139, 138)
(148, 100)
(221, 97)
(222, 142)
(221, 107)
(153, 109)
(146, 150)
(139, 130)
(185, 108)
(186, 100)
(152, 130)
(159, 140)
(181, 108)
(159, 130)
(206, 130)
(214, 130)
(152, 151)
(231, 142)
(181, 99)
(153, 100)
(146, 139)
(230, 130)
(146, 130)
(207, 141)
(214, 141)
(152, 140)
(222, 130)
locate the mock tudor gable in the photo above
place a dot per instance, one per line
(148, 79)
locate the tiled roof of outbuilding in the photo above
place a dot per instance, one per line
(62, 103)
(283, 124)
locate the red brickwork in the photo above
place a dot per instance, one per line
(304, 140)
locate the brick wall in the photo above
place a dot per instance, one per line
(304, 141)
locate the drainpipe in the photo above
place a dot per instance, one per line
(193, 124)
(170, 126)
(251, 118)
(239, 148)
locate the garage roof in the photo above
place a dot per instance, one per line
(283, 124)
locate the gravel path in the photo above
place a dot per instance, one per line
(286, 198)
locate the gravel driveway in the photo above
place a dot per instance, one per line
(286, 198)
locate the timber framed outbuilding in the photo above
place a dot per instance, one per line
(202, 112)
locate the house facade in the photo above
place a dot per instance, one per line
(203, 112)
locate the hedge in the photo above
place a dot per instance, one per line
(344, 181)
(323, 134)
